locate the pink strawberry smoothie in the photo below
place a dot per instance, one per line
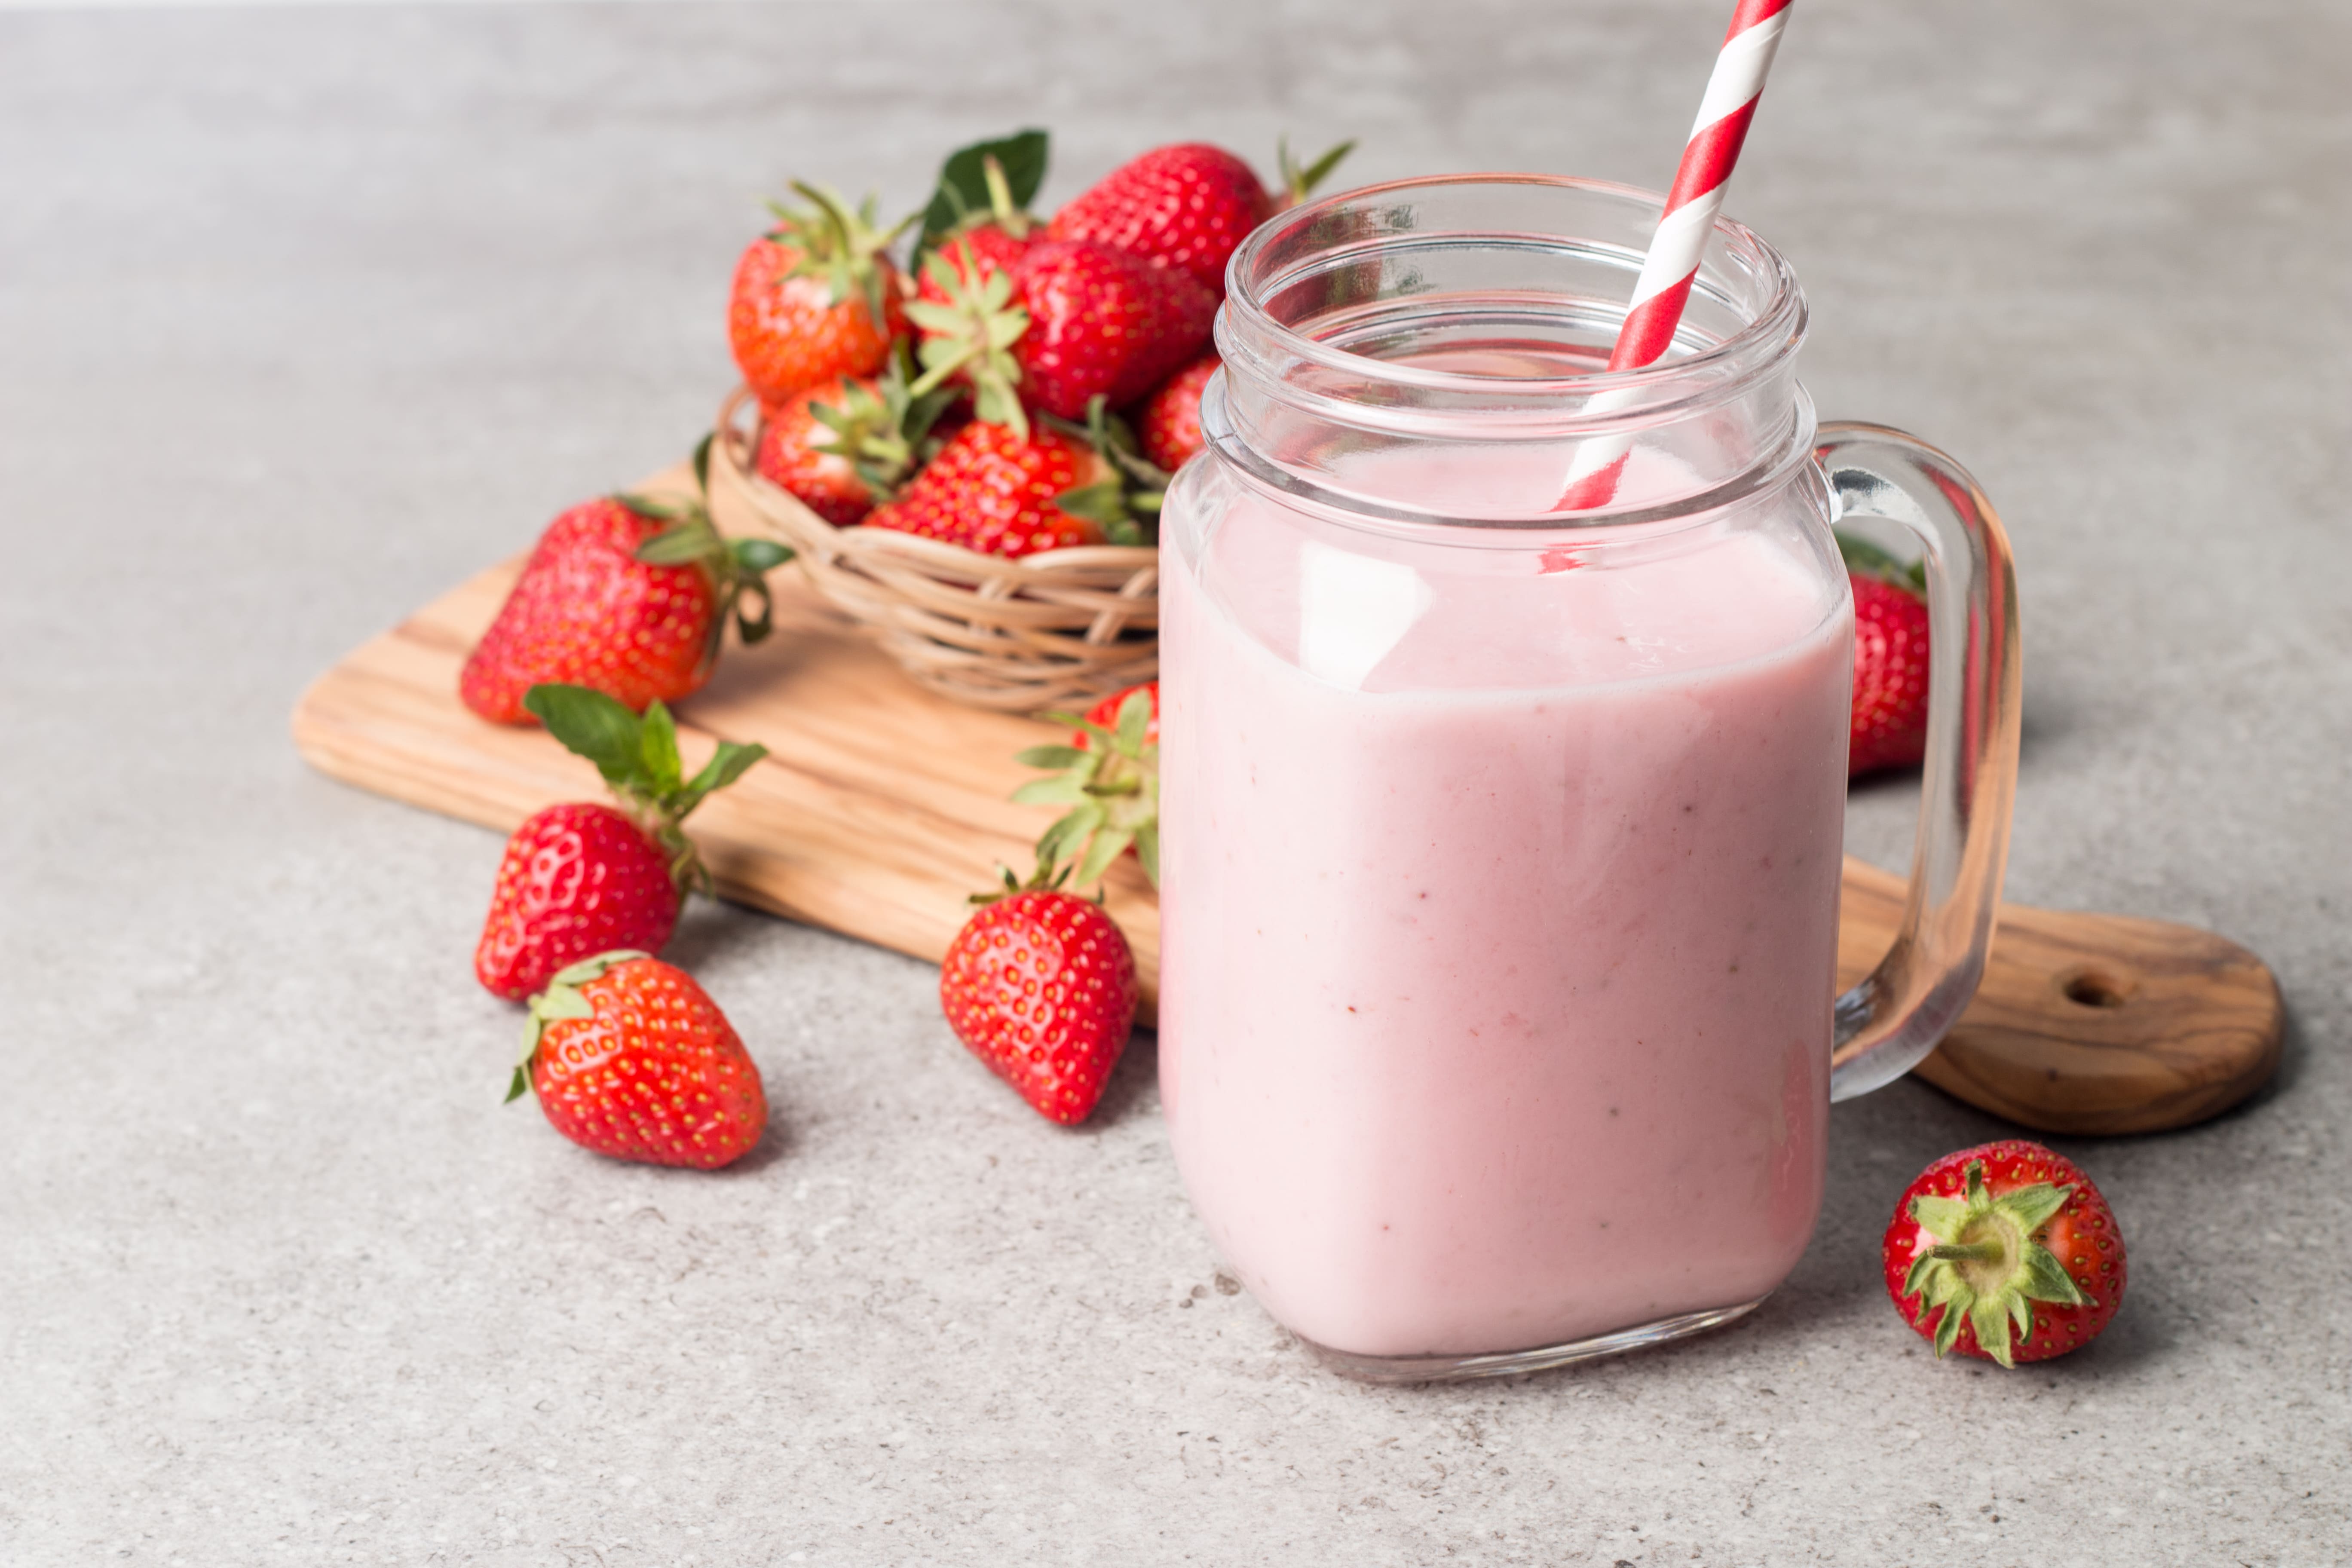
(1499, 911)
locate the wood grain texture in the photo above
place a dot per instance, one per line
(881, 806)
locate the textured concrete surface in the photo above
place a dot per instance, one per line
(305, 314)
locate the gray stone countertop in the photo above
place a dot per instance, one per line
(306, 315)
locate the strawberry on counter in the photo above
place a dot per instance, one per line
(2005, 1252)
(578, 880)
(630, 1059)
(1040, 984)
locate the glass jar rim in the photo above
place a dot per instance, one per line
(1772, 332)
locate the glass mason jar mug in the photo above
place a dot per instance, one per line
(1501, 844)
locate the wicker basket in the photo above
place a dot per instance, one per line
(1057, 629)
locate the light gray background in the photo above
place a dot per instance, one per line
(306, 315)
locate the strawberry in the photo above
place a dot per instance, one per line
(814, 298)
(580, 880)
(1170, 419)
(2005, 1236)
(1890, 658)
(1109, 778)
(628, 594)
(1040, 984)
(844, 445)
(995, 490)
(1187, 206)
(630, 1057)
(1069, 322)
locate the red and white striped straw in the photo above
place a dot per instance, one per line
(1708, 157)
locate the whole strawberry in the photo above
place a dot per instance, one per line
(1169, 422)
(1040, 984)
(629, 1057)
(629, 595)
(1890, 660)
(579, 879)
(994, 490)
(842, 447)
(814, 298)
(1070, 322)
(1186, 206)
(2005, 1252)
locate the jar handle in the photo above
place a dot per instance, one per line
(1969, 782)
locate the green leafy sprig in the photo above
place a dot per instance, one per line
(639, 760)
(737, 568)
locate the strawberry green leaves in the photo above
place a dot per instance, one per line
(1299, 181)
(973, 333)
(1111, 786)
(963, 190)
(841, 246)
(639, 760)
(1987, 1265)
(1127, 504)
(1863, 559)
(883, 437)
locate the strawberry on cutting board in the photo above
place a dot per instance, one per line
(1890, 658)
(2005, 1252)
(1040, 984)
(815, 298)
(578, 880)
(629, 594)
(630, 1057)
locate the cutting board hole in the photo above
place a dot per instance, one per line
(2095, 988)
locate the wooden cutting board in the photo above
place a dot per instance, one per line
(879, 807)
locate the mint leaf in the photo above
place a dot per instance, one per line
(590, 724)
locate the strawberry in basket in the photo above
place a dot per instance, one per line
(1188, 207)
(845, 445)
(1014, 491)
(815, 298)
(1066, 323)
(1170, 419)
